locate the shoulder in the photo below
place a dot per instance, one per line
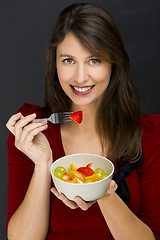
(151, 120)
(28, 108)
(150, 127)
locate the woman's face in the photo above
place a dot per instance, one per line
(82, 76)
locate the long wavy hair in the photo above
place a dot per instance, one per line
(118, 115)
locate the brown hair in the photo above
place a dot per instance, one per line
(118, 116)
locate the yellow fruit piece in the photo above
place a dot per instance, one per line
(79, 175)
(72, 167)
(95, 177)
(71, 181)
(77, 180)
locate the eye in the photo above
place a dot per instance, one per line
(94, 61)
(68, 61)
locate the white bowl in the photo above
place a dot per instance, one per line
(87, 191)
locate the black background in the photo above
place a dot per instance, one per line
(25, 28)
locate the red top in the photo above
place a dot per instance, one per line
(143, 183)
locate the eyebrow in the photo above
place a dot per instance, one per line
(66, 55)
(70, 56)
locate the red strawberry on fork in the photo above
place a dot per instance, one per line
(76, 117)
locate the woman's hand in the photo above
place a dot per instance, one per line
(112, 187)
(30, 139)
(78, 201)
(71, 204)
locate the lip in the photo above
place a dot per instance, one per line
(82, 93)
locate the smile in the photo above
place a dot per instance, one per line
(82, 89)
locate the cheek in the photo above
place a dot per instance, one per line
(103, 72)
(63, 74)
(102, 76)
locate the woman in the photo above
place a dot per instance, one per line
(87, 69)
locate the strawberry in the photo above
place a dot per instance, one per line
(66, 177)
(76, 117)
(90, 165)
(86, 171)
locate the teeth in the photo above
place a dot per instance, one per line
(84, 89)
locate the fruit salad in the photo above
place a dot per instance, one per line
(80, 175)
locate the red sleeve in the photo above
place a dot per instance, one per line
(150, 174)
(20, 166)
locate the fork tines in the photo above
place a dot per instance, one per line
(61, 117)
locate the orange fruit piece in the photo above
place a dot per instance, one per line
(77, 180)
(79, 175)
(95, 177)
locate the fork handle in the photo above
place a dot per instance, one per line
(40, 120)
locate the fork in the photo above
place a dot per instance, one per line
(56, 118)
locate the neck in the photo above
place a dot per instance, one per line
(85, 133)
(88, 119)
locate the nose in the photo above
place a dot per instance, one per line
(81, 74)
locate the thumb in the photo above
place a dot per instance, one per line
(112, 187)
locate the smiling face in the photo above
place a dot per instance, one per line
(82, 76)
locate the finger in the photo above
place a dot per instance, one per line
(112, 187)
(68, 202)
(82, 204)
(30, 127)
(55, 192)
(12, 121)
(21, 123)
(30, 136)
(65, 200)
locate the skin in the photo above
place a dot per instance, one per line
(75, 67)
(30, 220)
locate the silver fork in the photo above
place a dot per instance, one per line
(56, 118)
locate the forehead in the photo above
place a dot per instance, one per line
(71, 45)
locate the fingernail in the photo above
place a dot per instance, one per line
(112, 184)
(44, 126)
(33, 115)
(77, 200)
